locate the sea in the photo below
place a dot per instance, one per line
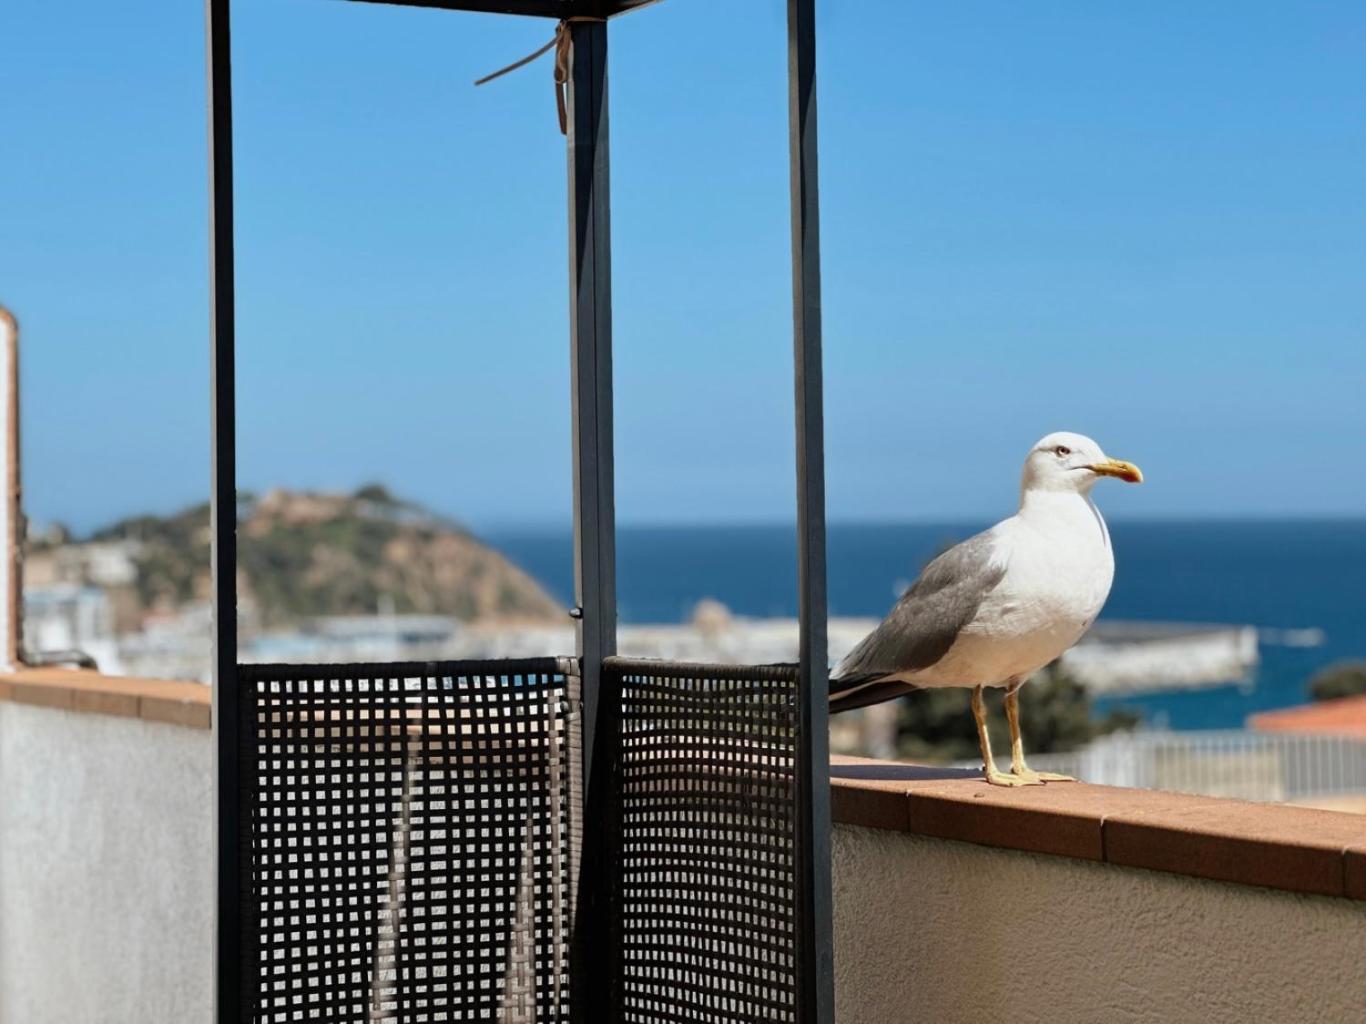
(1301, 583)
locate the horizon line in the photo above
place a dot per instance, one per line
(1174, 520)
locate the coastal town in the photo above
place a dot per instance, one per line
(381, 578)
(117, 600)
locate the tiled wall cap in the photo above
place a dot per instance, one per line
(1298, 849)
(156, 700)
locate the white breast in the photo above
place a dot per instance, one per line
(1059, 570)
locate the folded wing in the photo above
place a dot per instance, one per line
(922, 627)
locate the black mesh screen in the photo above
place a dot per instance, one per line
(414, 830)
(704, 839)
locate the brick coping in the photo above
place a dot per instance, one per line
(1297, 849)
(156, 700)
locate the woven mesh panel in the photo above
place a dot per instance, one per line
(705, 835)
(414, 832)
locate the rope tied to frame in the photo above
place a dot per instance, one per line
(563, 45)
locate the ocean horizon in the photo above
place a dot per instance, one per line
(1279, 575)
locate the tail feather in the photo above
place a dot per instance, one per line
(859, 690)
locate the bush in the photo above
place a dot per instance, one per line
(1055, 716)
(1345, 679)
(377, 493)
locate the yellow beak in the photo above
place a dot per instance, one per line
(1115, 467)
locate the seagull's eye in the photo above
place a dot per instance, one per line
(1062, 451)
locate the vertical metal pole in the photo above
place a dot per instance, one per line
(590, 275)
(814, 918)
(229, 838)
(590, 324)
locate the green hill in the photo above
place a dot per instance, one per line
(309, 554)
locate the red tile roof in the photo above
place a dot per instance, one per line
(1343, 717)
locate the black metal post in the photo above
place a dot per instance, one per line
(814, 912)
(590, 325)
(231, 861)
(590, 270)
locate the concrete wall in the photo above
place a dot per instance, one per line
(936, 932)
(105, 870)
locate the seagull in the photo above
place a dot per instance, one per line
(998, 607)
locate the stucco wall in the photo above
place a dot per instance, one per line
(935, 932)
(105, 870)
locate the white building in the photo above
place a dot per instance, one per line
(68, 617)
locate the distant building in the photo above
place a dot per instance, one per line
(97, 563)
(1128, 657)
(69, 617)
(171, 644)
(1343, 717)
(360, 638)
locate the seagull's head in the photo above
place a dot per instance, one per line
(1072, 462)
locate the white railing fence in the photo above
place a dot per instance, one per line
(1234, 763)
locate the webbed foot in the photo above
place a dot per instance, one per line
(1038, 778)
(998, 778)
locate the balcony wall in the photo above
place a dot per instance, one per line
(105, 869)
(946, 932)
(954, 902)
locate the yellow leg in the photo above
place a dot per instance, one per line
(993, 776)
(1018, 767)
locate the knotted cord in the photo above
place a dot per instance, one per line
(563, 46)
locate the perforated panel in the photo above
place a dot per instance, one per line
(705, 840)
(414, 830)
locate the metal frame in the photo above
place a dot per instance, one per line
(594, 517)
(232, 866)
(815, 912)
(595, 560)
(530, 8)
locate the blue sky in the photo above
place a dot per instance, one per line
(1143, 222)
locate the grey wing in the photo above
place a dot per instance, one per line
(924, 624)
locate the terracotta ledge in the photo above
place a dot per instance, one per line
(155, 700)
(1293, 848)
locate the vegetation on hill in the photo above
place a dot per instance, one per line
(1345, 679)
(307, 554)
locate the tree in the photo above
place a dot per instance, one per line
(1345, 679)
(1055, 716)
(377, 493)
